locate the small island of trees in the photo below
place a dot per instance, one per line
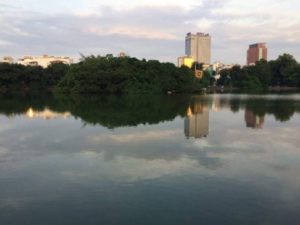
(96, 74)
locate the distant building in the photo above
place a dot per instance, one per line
(196, 121)
(206, 66)
(7, 59)
(219, 66)
(253, 120)
(198, 47)
(256, 52)
(44, 61)
(186, 61)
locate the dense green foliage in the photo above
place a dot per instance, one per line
(96, 74)
(16, 77)
(284, 71)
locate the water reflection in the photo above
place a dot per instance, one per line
(119, 111)
(132, 162)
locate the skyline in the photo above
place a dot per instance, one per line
(147, 30)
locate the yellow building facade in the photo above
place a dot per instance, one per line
(186, 61)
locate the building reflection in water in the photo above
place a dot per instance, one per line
(216, 103)
(196, 121)
(253, 120)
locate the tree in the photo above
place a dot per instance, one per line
(197, 66)
(284, 70)
(225, 78)
(262, 71)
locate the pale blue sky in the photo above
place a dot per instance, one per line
(147, 29)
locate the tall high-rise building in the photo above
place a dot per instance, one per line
(198, 47)
(257, 52)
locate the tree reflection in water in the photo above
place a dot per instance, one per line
(114, 111)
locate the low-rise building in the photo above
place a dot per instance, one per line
(7, 59)
(44, 61)
(218, 66)
(185, 61)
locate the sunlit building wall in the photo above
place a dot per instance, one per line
(186, 61)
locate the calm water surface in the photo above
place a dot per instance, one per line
(214, 159)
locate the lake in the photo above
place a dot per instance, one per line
(219, 159)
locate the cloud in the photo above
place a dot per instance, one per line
(122, 5)
(3, 151)
(134, 169)
(131, 32)
(4, 43)
(7, 6)
(202, 23)
(149, 30)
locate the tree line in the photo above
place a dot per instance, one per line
(108, 74)
(284, 72)
(20, 78)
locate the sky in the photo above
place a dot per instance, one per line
(153, 29)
